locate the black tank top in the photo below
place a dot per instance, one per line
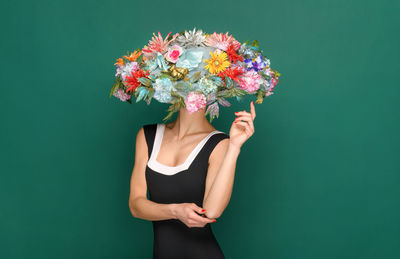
(179, 184)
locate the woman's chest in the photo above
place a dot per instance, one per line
(183, 186)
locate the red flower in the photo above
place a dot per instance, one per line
(232, 55)
(132, 80)
(232, 73)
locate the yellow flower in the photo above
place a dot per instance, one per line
(218, 62)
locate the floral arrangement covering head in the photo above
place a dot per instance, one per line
(194, 70)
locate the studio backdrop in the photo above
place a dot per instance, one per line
(318, 179)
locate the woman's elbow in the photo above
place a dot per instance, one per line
(213, 214)
(133, 209)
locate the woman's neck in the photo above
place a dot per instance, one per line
(189, 123)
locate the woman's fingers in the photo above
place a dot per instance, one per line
(242, 113)
(253, 110)
(246, 118)
(246, 126)
(197, 208)
(197, 220)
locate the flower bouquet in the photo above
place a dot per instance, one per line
(194, 70)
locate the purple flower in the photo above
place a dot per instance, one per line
(255, 64)
(120, 94)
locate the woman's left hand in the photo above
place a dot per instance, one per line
(243, 127)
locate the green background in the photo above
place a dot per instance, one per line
(318, 179)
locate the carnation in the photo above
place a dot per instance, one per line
(250, 81)
(195, 101)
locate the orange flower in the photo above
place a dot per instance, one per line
(134, 55)
(120, 62)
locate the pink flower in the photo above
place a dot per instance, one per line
(195, 101)
(173, 53)
(222, 41)
(250, 81)
(274, 82)
(157, 44)
(120, 94)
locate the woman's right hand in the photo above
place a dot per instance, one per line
(186, 212)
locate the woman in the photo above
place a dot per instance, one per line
(189, 168)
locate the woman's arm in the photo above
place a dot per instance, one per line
(139, 205)
(143, 208)
(222, 164)
(220, 178)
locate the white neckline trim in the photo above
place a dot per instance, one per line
(171, 170)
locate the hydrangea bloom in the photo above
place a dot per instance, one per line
(162, 90)
(195, 101)
(250, 81)
(207, 86)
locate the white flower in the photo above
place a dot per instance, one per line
(128, 68)
(191, 39)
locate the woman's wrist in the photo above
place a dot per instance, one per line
(173, 208)
(234, 148)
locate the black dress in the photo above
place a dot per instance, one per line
(179, 184)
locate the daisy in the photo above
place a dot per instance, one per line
(218, 62)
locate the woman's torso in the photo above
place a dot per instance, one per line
(180, 184)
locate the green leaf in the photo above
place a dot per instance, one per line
(255, 43)
(195, 77)
(228, 82)
(260, 96)
(149, 96)
(212, 111)
(115, 86)
(172, 109)
(142, 93)
(226, 93)
(224, 102)
(168, 116)
(140, 59)
(145, 81)
(181, 86)
(239, 92)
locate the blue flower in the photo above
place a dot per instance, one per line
(162, 90)
(255, 64)
(207, 86)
